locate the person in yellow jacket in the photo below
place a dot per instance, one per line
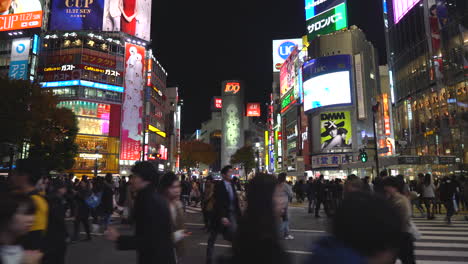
(24, 179)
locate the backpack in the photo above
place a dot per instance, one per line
(94, 200)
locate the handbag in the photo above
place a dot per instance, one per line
(94, 200)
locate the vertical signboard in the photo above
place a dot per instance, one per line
(19, 59)
(361, 103)
(335, 130)
(232, 119)
(132, 110)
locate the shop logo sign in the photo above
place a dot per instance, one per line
(324, 23)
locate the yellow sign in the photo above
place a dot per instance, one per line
(157, 131)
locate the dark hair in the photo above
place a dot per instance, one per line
(392, 182)
(108, 177)
(367, 223)
(427, 179)
(353, 184)
(383, 173)
(282, 177)
(258, 223)
(9, 204)
(226, 169)
(401, 182)
(342, 131)
(31, 168)
(146, 171)
(183, 177)
(166, 181)
(209, 178)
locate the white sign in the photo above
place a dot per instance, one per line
(281, 50)
(90, 156)
(359, 87)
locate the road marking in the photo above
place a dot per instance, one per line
(439, 262)
(440, 253)
(454, 232)
(289, 251)
(443, 245)
(424, 237)
(448, 228)
(307, 231)
(94, 234)
(194, 224)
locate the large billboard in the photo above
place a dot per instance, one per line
(327, 82)
(20, 14)
(327, 22)
(232, 119)
(132, 110)
(281, 50)
(316, 7)
(401, 8)
(253, 109)
(335, 130)
(19, 59)
(130, 16)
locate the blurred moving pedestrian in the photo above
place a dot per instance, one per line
(153, 226)
(378, 188)
(169, 188)
(226, 212)
(24, 179)
(57, 234)
(208, 201)
(447, 189)
(257, 240)
(195, 193)
(82, 213)
(106, 207)
(354, 184)
(321, 192)
(17, 214)
(186, 189)
(299, 190)
(428, 194)
(394, 192)
(286, 194)
(365, 229)
(311, 194)
(368, 186)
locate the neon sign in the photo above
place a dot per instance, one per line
(101, 86)
(218, 103)
(232, 87)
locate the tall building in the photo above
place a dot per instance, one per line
(427, 43)
(341, 80)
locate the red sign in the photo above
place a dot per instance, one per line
(21, 21)
(232, 87)
(218, 103)
(253, 109)
(132, 110)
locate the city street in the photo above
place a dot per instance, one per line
(440, 243)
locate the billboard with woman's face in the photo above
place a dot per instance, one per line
(20, 14)
(335, 129)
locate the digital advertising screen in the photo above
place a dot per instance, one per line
(316, 7)
(327, 82)
(132, 110)
(281, 50)
(129, 16)
(335, 130)
(327, 22)
(401, 8)
(20, 14)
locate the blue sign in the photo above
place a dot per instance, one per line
(20, 48)
(35, 48)
(316, 7)
(101, 86)
(325, 65)
(18, 70)
(285, 49)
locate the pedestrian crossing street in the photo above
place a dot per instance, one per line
(442, 243)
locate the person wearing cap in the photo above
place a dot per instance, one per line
(56, 232)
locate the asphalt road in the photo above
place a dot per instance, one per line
(440, 243)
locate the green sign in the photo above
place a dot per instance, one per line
(287, 100)
(327, 22)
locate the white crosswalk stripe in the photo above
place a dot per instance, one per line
(440, 242)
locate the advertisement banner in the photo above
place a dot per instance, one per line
(335, 130)
(129, 16)
(20, 14)
(288, 73)
(316, 7)
(232, 115)
(253, 109)
(327, 22)
(132, 110)
(281, 50)
(329, 161)
(327, 81)
(401, 8)
(19, 59)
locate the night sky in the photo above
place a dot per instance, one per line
(201, 43)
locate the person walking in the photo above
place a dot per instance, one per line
(226, 212)
(57, 234)
(208, 201)
(153, 227)
(447, 190)
(394, 192)
(106, 207)
(321, 194)
(169, 187)
(257, 240)
(83, 192)
(24, 179)
(310, 194)
(286, 194)
(186, 189)
(428, 195)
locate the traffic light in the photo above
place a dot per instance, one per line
(363, 156)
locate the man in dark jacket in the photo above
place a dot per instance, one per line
(153, 235)
(226, 212)
(106, 207)
(447, 189)
(56, 230)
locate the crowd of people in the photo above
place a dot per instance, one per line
(370, 222)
